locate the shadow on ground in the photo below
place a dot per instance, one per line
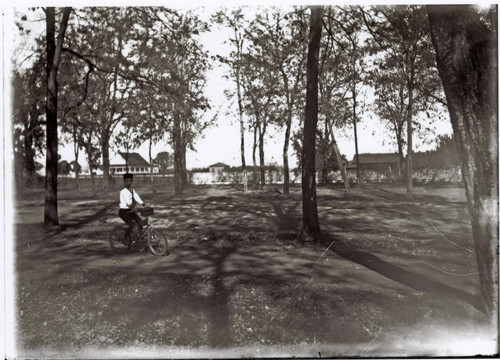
(235, 275)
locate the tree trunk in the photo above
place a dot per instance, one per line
(355, 123)
(51, 216)
(105, 161)
(401, 157)
(178, 156)
(325, 149)
(126, 158)
(254, 150)
(76, 149)
(180, 176)
(288, 124)
(309, 203)
(184, 174)
(261, 156)
(466, 56)
(409, 157)
(151, 164)
(29, 144)
(286, 167)
(29, 157)
(242, 151)
(89, 159)
(341, 166)
(340, 162)
(242, 124)
(54, 49)
(409, 162)
(184, 141)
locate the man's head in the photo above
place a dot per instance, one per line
(128, 179)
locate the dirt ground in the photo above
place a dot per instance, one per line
(398, 277)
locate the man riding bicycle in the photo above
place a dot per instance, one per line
(129, 201)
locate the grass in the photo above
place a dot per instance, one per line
(398, 274)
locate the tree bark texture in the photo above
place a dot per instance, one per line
(262, 132)
(401, 158)
(466, 55)
(105, 162)
(309, 202)
(339, 161)
(76, 150)
(288, 125)
(242, 124)
(355, 125)
(254, 160)
(29, 152)
(151, 164)
(325, 149)
(92, 177)
(286, 167)
(409, 133)
(180, 176)
(53, 59)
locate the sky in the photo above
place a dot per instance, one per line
(221, 143)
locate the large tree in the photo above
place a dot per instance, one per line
(54, 50)
(261, 102)
(405, 79)
(28, 109)
(337, 79)
(74, 81)
(104, 44)
(466, 54)
(28, 101)
(187, 61)
(309, 203)
(280, 39)
(344, 27)
(236, 22)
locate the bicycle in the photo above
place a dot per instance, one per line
(122, 241)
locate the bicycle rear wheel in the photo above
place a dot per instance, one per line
(157, 242)
(118, 240)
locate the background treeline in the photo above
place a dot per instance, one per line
(129, 76)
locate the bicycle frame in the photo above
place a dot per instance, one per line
(149, 237)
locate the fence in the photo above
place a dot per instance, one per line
(276, 176)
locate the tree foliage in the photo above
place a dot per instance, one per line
(138, 83)
(345, 43)
(403, 72)
(164, 161)
(28, 120)
(282, 44)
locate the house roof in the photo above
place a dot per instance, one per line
(377, 158)
(218, 165)
(134, 159)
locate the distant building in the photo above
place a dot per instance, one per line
(218, 168)
(133, 163)
(375, 162)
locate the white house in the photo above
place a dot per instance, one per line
(133, 163)
(218, 168)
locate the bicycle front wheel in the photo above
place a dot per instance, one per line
(118, 240)
(157, 242)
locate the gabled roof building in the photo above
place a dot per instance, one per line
(130, 162)
(377, 162)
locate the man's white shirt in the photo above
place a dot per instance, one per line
(126, 201)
